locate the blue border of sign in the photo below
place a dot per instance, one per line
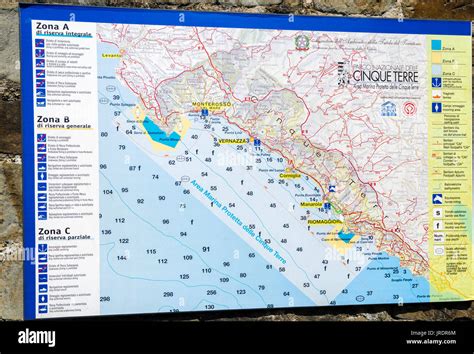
(29, 12)
(244, 20)
(28, 156)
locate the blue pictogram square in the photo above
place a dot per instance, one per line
(42, 176)
(41, 138)
(42, 299)
(437, 198)
(40, 63)
(39, 43)
(41, 147)
(436, 82)
(436, 107)
(42, 166)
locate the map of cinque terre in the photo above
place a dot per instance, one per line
(279, 168)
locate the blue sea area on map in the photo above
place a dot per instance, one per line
(345, 236)
(142, 256)
(400, 286)
(160, 136)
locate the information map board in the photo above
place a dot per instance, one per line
(190, 161)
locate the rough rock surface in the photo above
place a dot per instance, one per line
(11, 283)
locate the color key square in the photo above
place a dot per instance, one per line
(436, 70)
(436, 44)
(436, 58)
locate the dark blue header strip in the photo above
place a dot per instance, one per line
(243, 20)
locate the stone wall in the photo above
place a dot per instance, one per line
(11, 278)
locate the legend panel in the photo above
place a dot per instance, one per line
(450, 167)
(66, 168)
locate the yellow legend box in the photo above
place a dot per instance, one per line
(450, 168)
